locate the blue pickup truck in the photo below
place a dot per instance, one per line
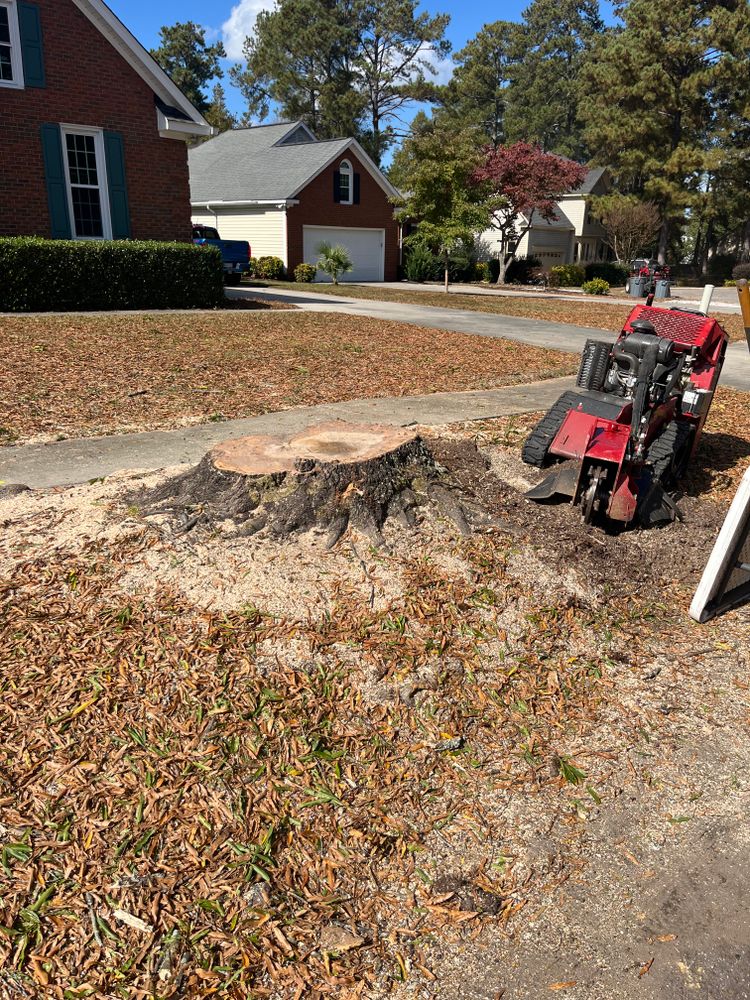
(235, 254)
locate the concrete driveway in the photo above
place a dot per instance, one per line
(539, 333)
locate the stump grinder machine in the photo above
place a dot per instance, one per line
(620, 442)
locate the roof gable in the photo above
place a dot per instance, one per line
(267, 163)
(186, 118)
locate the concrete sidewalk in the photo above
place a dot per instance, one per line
(64, 463)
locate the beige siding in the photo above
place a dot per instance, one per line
(263, 228)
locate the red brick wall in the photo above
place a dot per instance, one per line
(317, 208)
(89, 83)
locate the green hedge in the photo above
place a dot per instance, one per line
(42, 275)
(614, 274)
(567, 276)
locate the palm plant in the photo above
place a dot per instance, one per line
(333, 261)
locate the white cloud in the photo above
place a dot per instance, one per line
(240, 24)
(443, 66)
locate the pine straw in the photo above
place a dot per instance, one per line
(601, 315)
(73, 376)
(232, 781)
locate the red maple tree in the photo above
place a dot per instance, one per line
(527, 182)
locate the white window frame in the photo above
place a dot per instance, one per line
(101, 173)
(16, 59)
(346, 170)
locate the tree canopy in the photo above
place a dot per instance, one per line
(191, 64)
(525, 182)
(666, 94)
(345, 67)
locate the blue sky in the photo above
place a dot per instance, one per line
(232, 20)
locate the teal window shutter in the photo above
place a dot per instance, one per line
(32, 56)
(57, 187)
(114, 153)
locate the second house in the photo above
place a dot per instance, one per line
(286, 192)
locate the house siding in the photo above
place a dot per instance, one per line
(263, 228)
(88, 83)
(317, 208)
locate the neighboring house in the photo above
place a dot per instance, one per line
(285, 192)
(573, 236)
(92, 131)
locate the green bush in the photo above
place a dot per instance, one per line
(305, 272)
(597, 286)
(39, 275)
(269, 267)
(721, 266)
(521, 270)
(482, 271)
(253, 267)
(615, 274)
(420, 264)
(730, 283)
(741, 271)
(567, 276)
(462, 263)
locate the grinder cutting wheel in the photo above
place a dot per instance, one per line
(621, 441)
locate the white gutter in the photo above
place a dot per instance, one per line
(278, 202)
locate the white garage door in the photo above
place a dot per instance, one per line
(366, 248)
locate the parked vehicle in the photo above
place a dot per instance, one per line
(235, 254)
(650, 271)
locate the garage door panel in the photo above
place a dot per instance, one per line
(365, 247)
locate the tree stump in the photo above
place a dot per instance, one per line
(330, 476)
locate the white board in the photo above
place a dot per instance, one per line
(725, 583)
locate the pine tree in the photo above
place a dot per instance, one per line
(345, 67)
(478, 90)
(667, 92)
(549, 48)
(299, 60)
(218, 114)
(184, 55)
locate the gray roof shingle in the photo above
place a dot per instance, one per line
(246, 165)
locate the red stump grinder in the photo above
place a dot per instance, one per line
(624, 438)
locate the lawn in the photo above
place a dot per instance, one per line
(578, 312)
(71, 376)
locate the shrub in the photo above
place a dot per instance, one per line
(730, 283)
(420, 264)
(597, 286)
(462, 263)
(305, 272)
(253, 264)
(609, 270)
(334, 261)
(269, 267)
(482, 271)
(494, 267)
(567, 276)
(741, 271)
(721, 266)
(521, 270)
(40, 275)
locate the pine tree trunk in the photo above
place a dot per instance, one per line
(661, 255)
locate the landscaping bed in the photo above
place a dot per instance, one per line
(75, 376)
(463, 766)
(599, 315)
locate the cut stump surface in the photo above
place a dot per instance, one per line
(330, 476)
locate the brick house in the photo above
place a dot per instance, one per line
(92, 131)
(285, 192)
